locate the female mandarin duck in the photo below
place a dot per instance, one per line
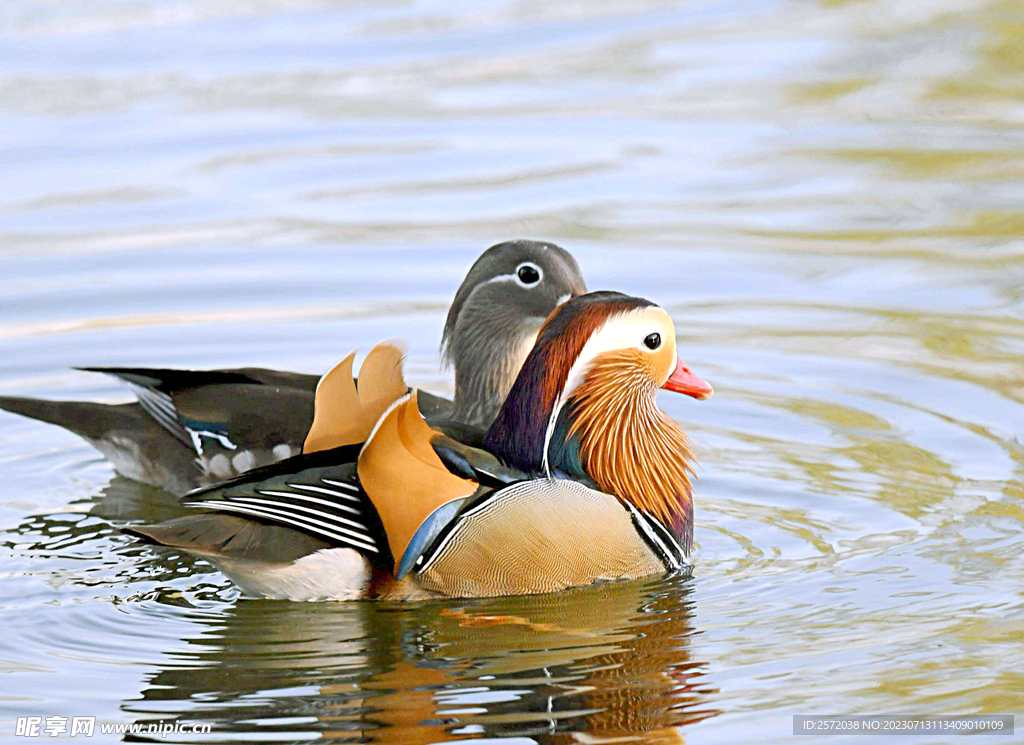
(200, 427)
(581, 477)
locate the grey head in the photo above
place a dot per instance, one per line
(495, 317)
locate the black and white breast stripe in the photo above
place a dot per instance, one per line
(439, 544)
(471, 507)
(331, 508)
(658, 537)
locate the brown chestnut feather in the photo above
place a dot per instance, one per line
(517, 435)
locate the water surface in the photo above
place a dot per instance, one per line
(825, 195)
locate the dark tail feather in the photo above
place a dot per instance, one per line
(172, 534)
(170, 381)
(125, 434)
(229, 537)
(84, 418)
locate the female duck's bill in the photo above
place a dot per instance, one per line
(582, 478)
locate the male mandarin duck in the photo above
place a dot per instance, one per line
(200, 427)
(581, 477)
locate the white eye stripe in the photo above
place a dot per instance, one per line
(625, 331)
(514, 277)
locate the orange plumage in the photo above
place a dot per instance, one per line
(629, 446)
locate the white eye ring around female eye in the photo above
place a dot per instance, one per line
(527, 265)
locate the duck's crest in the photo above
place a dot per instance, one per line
(344, 413)
(519, 433)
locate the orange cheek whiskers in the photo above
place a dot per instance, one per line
(628, 445)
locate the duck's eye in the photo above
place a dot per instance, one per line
(528, 274)
(653, 341)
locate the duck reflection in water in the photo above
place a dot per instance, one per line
(603, 663)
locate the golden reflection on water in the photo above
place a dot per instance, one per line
(612, 659)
